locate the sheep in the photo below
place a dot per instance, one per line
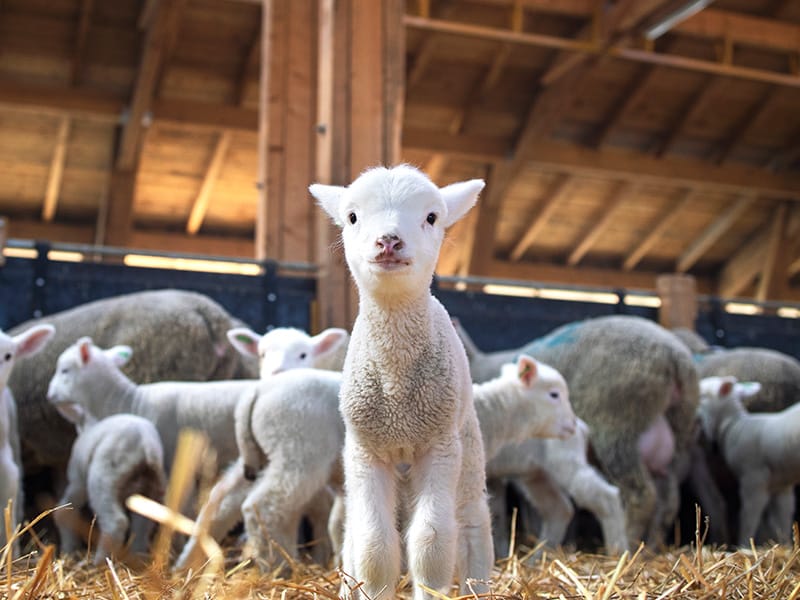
(176, 335)
(92, 377)
(779, 376)
(635, 385)
(287, 348)
(548, 471)
(110, 460)
(406, 392)
(762, 449)
(529, 398)
(21, 345)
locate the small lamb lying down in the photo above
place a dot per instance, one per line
(111, 459)
(762, 449)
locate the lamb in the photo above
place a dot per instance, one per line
(176, 335)
(762, 449)
(548, 471)
(284, 420)
(22, 345)
(635, 385)
(287, 348)
(110, 460)
(92, 378)
(406, 395)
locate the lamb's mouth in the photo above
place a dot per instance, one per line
(392, 263)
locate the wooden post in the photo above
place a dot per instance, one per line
(360, 92)
(263, 130)
(678, 293)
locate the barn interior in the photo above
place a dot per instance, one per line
(651, 147)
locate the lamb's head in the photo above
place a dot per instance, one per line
(540, 397)
(393, 222)
(285, 348)
(80, 368)
(720, 396)
(27, 343)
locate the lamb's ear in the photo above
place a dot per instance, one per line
(527, 370)
(747, 389)
(85, 349)
(119, 355)
(245, 340)
(328, 197)
(329, 340)
(726, 386)
(459, 198)
(34, 339)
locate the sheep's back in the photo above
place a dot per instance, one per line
(175, 334)
(778, 374)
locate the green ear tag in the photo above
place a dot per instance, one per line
(243, 338)
(525, 370)
(125, 354)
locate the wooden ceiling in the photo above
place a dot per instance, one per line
(610, 157)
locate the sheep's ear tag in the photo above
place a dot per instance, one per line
(527, 372)
(244, 339)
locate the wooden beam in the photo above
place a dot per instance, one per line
(470, 147)
(200, 204)
(663, 223)
(629, 97)
(156, 47)
(262, 210)
(204, 116)
(427, 48)
(61, 101)
(546, 207)
(715, 231)
(620, 193)
(28, 229)
(56, 171)
(121, 192)
(686, 114)
(617, 163)
(743, 267)
(478, 257)
(79, 50)
(740, 129)
(786, 155)
(776, 263)
(247, 67)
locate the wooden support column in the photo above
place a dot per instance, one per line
(678, 295)
(263, 130)
(360, 91)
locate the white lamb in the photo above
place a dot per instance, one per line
(412, 436)
(284, 420)
(24, 344)
(762, 449)
(111, 459)
(551, 473)
(90, 377)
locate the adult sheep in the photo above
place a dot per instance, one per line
(175, 335)
(635, 385)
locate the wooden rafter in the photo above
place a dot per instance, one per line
(663, 223)
(621, 192)
(743, 126)
(629, 97)
(686, 114)
(712, 233)
(776, 263)
(547, 206)
(248, 65)
(427, 48)
(56, 171)
(160, 35)
(81, 37)
(200, 204)
(788, 154)
(614, 163)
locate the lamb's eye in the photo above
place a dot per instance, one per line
(303, 356)
(352, 218)
(431, 218)
(554, 395)
(7, 356)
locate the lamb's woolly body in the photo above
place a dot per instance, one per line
(762, 449)
(175, 334)
(547, 469)
(623, 372)
(110, 460)
(295, 433)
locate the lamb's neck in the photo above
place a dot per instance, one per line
(499, 423)
(403, 324)
(113, 394)
(727, 418)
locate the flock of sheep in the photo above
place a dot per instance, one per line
(387, 439)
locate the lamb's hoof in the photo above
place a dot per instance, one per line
(250, 473)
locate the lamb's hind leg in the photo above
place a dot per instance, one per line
(754, 498)
(779, 515)
(9, 490)
(111, 519)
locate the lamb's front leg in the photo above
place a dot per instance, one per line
(9, 490)
(433, 529)
(371, 551)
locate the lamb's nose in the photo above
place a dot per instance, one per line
(389, 243)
